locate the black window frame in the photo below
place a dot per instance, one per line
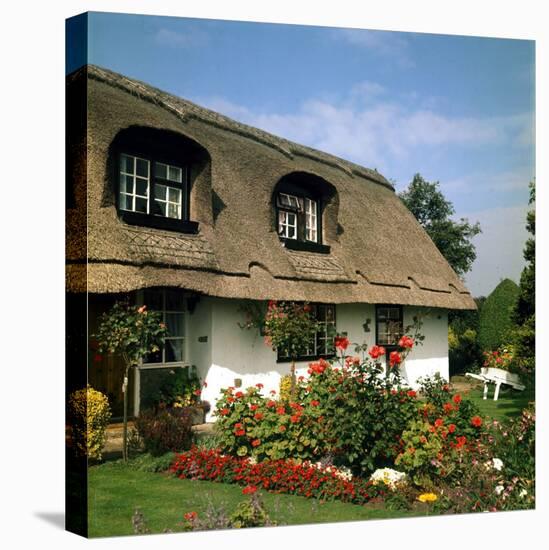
(389, 347)
(300, 242)
(281, 359)
(183, 225)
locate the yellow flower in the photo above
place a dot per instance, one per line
(427, 497)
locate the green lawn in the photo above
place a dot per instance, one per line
(509, 404)
(115, 490)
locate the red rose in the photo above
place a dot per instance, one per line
(376, 351)
(341, 342)
(457, 399)
(406, 342)
(476, 421)
(395, 358)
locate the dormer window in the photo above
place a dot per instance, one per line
(151, 187)
(297, 217)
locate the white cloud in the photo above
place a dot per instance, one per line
(370, 129)
(384, 43)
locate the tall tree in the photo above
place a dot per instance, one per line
(525, 309)
(433, 211)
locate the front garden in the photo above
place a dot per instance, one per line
(347, 441)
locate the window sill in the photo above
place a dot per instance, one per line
(306, 358)
(305, 246)
(158, 222)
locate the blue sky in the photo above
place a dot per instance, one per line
(459, 110)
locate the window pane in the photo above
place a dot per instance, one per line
(173, 350)
(161, 170)
(291, 233)
(126, 164)
(141, 205)
(160, 191)
(142, 167)
(126, 184)
(174, 174)
(174, 324)
(174, 195)
(175, 301)
(141, 187)
(126, 202)
(159, 208)
(174, 211)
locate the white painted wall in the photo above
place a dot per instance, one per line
(233, 353)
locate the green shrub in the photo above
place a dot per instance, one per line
(148, 463)
(88, 415)
(165, 430)
(496, 315)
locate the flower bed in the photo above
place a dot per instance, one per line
(277, 476)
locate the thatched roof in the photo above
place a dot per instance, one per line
(378, 251)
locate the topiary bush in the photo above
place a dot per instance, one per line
(496, 321)
(88, 415)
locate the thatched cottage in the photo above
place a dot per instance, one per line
(198, 216)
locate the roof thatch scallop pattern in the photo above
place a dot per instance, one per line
(379, 253)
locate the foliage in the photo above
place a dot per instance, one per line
(178, 387)
(285, 388)
(130, 331)
(524, 314)
(289, 328)
(165, 430)
(88, 415)
(496, 315)
(433, 211)
(464, 352)
(146, 462)
(346, 412)
(280, 476)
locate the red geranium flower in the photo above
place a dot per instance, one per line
(254, 407)
(281, 410)
(282, 429)
(189, 516)
(476, 421)
(256, 442)
(271, 403)
(341, 342)
(395, 358)
(239, 432)
(259, 386)
(448, 407)
(239, 394)
(258, 415)
(295, 418)
(315, 403)
(224, 412)
(412, 393)
(446, 387)
(461, 441)
(249, 490)
(457, 399)
(439, 422)
(197, 392)
(452, 428)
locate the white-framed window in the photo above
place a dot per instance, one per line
(297, 217)
(150, 187)
(311, 222)
(172, 304)
(287, 224)
(135, 175)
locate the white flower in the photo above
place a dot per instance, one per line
(523, 493)
(497, 464)
(391, 478)
(499, 490)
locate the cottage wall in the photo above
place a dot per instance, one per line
(232, 354)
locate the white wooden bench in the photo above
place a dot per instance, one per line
(490, 375)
